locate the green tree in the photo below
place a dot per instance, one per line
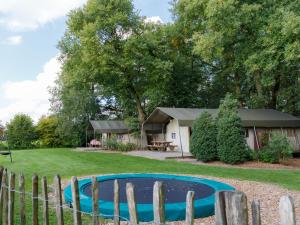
(47, 131)
(108, 45)
(231, 142)
(204, 138)
(20, 132)
(252, 47)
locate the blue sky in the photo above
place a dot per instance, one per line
(29, 32)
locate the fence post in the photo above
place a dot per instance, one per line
(158, 203)
(22, 199)
(76, 201)
(45, 201)
(256, 218)
(236, 208)
(11, 198)
(190, 211)
(131, 204)
(116, 203)
(3, 181)
(287, 211)
(35, 200)
(95, 195)
(5, 199)
(58, 201)
(220, 212)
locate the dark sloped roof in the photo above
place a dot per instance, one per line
(109, 126)
(249, 117)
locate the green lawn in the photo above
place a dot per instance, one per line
(48, 162)
(67, 163)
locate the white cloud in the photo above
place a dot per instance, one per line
(153, 19)
(30, 96)
(13, 40)
(30, 14)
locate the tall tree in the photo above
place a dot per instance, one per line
(107, 44)
(252, 45)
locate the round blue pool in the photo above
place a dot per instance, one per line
(175, 190)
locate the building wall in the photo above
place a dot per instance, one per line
(172, 134)
(293, 135)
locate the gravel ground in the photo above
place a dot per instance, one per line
(292, 164)
(269, 196)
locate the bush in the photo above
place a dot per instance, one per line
(21, 132)
(47, 132)
(277, 149)
(113, 144)
(204, 138)
(232, 148)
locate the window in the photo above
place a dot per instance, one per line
(290, 132)
(173, 135)
(120, 136)
(246, 133)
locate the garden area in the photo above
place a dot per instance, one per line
(67, 162)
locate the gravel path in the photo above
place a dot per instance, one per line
(268, 195)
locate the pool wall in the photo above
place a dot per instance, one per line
(173, 211)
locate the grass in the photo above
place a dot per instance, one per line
(67, 163)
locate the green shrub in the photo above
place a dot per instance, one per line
(47, 130)
(21, 132)
(204, 138)
(277, 149)
(232, 148)
(113, 144)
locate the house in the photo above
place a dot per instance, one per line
(175, 124)
(106, 129)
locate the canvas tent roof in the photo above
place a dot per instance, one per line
(109, 126)
(249, 117)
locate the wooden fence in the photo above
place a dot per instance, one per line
(230, 207)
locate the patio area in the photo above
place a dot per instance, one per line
(159, 155)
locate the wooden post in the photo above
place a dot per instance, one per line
(5, 199)
(76, 201)
(3, 181)
(236, 208)
(190, 213)
(256, 218)
(11, 198)
(22, 199)
(158, 203)
(35, 200)
(116, 203)
(45, 201)
(131, 204)
(287, 211)
(220, 212)
(58, 201)
(95, 195)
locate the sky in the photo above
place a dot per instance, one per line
(29, 33)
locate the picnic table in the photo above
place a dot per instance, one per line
(160, 145)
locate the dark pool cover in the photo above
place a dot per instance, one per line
(175, 190)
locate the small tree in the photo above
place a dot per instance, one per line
(231, 143)
(204, 138)
(20, 132)
(47, 131)
(277, 149)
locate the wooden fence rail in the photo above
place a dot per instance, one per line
(231, 207)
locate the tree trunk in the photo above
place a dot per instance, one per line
(258, 85)
(274, 93)
(139, 108)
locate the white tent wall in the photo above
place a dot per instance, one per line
(173, 134)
